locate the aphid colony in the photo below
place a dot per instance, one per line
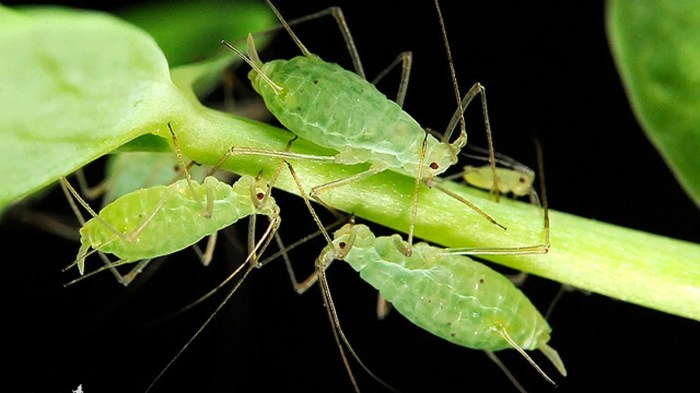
(441, 290)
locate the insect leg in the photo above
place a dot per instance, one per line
(458, 118)
(319, 276)
(91, 192)
(541, 248)
(206, 256)
(505, 370)
(339, 17)
(406, 59)
(317, 190)
(72, 195)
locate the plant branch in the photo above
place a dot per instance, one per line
(646, 269)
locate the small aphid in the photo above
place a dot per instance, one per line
(161, 220)
(510, 181)
(509, 177)
(451, 296)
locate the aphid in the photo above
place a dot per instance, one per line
(511, 176)
(364, 126)
(510, 181)
(449, 295)
(161, 220)
(445, 292)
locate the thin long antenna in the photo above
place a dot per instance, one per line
(277, 88)
(204, 325)
(453, 75)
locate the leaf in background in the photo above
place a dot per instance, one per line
(656, 45)
(77, 86)
(189, 32)
(64, 102)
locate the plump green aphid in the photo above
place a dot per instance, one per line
(451, 296)
(161, 220)
(164, 219)
(339, 109)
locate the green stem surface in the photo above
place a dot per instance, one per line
(642, 268)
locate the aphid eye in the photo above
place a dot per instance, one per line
(434, 165)
(481, 281)
(176, 168)
(342, 245)
(260, 196)
(521, 179)
(315, 82)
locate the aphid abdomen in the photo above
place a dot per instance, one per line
(179, 220)
(335, 108)
(451, 296)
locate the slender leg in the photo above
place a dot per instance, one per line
(383, 307)
(541, 248)
(476, 89)
(505, 370)
(406, 60)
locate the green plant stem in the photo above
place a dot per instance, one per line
(649, 270)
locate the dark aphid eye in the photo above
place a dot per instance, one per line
(176, 168)
(342, 244)
(260, 196)
(521, 179)
(434, 165)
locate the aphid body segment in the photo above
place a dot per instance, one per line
(336, 108)
(161, 220)
(451, 296)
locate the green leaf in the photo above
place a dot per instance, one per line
(79, 85)
(192, 48)
(656, 45)
(208, 22)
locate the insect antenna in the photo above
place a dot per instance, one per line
(453, 76)
(320, 274)
(340, 335)
(205, 324)
(462, 104)
(252, 63)
(469, 204)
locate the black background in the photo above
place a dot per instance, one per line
(548, 70)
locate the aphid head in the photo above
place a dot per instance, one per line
(522, 182)
(261, 81)
(438, 158)
(351, 235)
